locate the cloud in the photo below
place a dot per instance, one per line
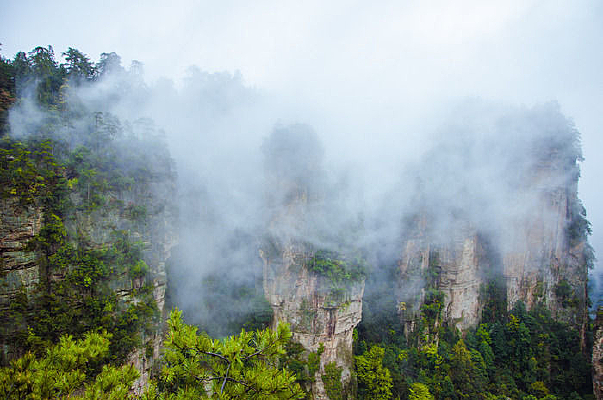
(375, 82)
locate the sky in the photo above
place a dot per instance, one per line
(356, 67)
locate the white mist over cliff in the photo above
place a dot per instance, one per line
(239, 163)
(394, 93)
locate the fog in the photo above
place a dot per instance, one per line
(360, 104)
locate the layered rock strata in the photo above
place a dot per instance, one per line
(455, 268)
(22, 268)
(597, 359)
(18, 265)
(318, 314)
(525, 227)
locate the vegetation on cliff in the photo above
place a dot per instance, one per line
(74, 292)
(515, 354)
(91, 271)
(69, 369)
(195, 366)
(87, 176)
(337, 268)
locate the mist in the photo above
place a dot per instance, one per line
(377, 112)
(245, 157)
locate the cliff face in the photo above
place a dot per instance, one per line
(19, 270)
(455, 268)
(318, 314)
(541, 265)
(597, 359)
(548, 265)
(66, 251)
(320, 296)
(156, 233)
(525, 227)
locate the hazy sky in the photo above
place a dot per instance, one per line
(368, 66)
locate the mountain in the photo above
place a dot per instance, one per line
(465, 278)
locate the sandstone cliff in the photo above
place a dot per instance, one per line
(455, 268)
(20, 271)
(597, 359)
(323, 304)
(80, 245)
(317, 312)
(521, 223)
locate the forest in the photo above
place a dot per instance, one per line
(92, 182)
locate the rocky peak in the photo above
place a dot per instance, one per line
(322, 304)
(319, 314)
(515, 219)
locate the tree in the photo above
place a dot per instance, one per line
(22, 72)
(332, 381)
(68, 367)
(42, 61)
(419, 391)
(374, 381)
(47, 73)
(467, 371)
(243, 366)
(109, 63)
(7, 90)
(78, 65)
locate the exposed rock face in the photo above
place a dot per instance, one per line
(598, 356)
(158, 233)
(460, 281)
(21, 269)
(316, 313)
(545, 264)
(318, 310)
(526, 224)
(455, 268)
(18, 266)
(540, 264)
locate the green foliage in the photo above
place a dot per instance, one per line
(566, 294)
(7, 91)
(374, 381)
(509, 355)
(47, 74)
(38, 69)
(72, 172)
(538, 389)
(112, 383)
(243, 366)
(381, 326)
(31, 174)
(67, 369)
(74, 168)
(494, 297)
(139, 269)
(432, 307)
(75, 292)
(337, 268)
(467, 371)
(78, 66)
(84, 299)
(302, 363)
(332, 381)
(419, 391)
(296, 359)
(195, 366)
(314, 361)
(136, 212)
